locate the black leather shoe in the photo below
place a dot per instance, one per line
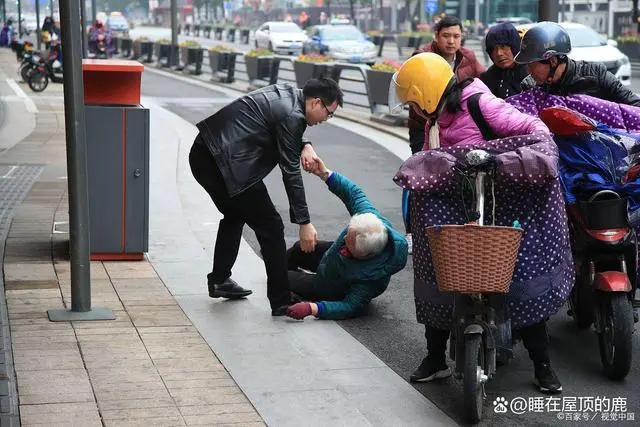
(228, 289)
(279, 311)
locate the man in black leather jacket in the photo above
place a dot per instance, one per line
(544, 50)
(236, 148)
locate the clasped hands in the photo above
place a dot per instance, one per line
(312, 163)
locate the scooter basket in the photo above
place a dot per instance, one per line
(472, 258)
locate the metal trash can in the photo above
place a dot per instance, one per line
(117, 140)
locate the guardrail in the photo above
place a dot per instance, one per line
(363, 87)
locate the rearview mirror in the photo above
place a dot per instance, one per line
(315, 38)
(612, 43)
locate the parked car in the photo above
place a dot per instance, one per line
(29, 24)
(588, 45)
(281, 37)
(118, 24)
(341, 42)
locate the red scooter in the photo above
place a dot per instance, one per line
(605, 257)
(604, 247)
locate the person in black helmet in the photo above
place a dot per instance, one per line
(544, 50)
(503, 78)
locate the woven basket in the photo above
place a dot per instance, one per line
(472, 258)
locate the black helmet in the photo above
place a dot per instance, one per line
(543, 41)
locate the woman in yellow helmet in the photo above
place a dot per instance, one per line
(427, 85)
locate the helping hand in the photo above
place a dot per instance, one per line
(308, 237)
(308, 157)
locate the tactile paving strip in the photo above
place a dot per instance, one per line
(14, 187)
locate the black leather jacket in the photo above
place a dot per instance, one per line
(256, 132)
(589, 78)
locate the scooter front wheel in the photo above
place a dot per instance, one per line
(38, 81)
(472, 380)
(25, 71)
(615, 337)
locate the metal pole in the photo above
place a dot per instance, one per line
(51, 6)
(487, 12)
(463, 10)
(83, 26)
(19, 19)
(94, 12)
(38, 24)
(74, 122)
(548, 10)
(174, 33)
(4, 11)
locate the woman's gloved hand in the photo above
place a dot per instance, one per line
(300, 310)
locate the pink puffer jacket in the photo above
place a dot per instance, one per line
(504, 119)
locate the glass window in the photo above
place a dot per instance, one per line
(584, 37)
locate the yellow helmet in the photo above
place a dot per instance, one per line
(522, 29)
(423, 79)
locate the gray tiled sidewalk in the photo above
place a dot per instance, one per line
(148, 367)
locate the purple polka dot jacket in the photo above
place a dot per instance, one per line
(527, 189)
(618, 116)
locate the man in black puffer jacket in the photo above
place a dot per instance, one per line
(544, 50)
(503, 78)
(237, 147)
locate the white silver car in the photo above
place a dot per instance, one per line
(342, 43)
(280, 37)
(588, 45)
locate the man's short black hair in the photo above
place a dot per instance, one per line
(446, 22)
(324, 88)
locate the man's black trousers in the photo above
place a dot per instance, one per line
(252, 207)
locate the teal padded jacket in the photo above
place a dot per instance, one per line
(359, 280)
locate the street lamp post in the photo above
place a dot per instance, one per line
(173, 60)
(38, 24)
(548, 10)
(19, 19)
(74, 123)
(83, 26)
(94, 12)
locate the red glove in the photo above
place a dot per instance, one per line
(299, 311)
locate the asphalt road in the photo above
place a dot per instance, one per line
(389, 329)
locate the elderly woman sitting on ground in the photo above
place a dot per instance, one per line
(353, 269)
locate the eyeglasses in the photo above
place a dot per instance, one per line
(329, 112)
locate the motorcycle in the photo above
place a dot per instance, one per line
(603, 244)
(45, 72)
(30, 61)
(481, 332)
(100, 48)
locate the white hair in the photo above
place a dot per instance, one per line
(371, 234)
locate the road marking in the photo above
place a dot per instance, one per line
(59, 223)
(28, 102)
(8, 174)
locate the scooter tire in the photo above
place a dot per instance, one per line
(26, 71)
(473, 395)
(615, 339)
(32, 79)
